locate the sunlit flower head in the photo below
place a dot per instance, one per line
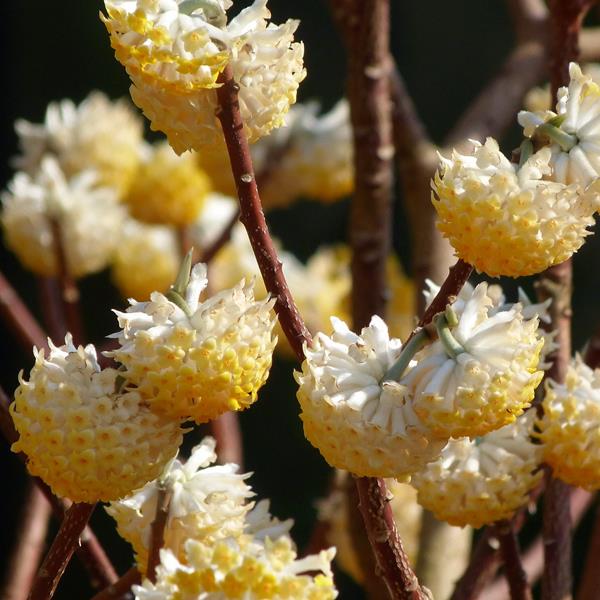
(506, 220)
(477, 482)
(484, 376)
(570, 427)
(573, 130)
(359, 421)
(87, 218)
(193, 359)
(88, 442)
(97, 134)
(174, 51)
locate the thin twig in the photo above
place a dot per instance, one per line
(228, 435)
(209, 253)
(52, 310)
(511, 557)
(29, 545)
(589, 586)
(157, 531)
(61, 551)
(122, 586)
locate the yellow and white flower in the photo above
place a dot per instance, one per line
(506, 220)
(88, 442)
(87, 218)
(357, 419)
(146, 260)
(99, 134)
(477, 482)
(208, 502)
(242, 567)
(168, 189)
(487, 380)
(174, 51)
(570, 427)
(197, 360)
(574, 130)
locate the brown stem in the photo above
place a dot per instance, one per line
(228, 435)
(29, 547)
(52, 309)
(591, 354)
(252, 216)
(119, 589)
(61, 551)
(19, 320)
(511, 557)
(68, 287)
(589, 585)
(157, 532)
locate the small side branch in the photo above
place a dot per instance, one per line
(157, 535)
(513, 567)
(118, 589)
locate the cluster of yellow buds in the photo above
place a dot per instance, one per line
(174, 52)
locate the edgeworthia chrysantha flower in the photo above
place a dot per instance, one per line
(477, 482)
(98, 134)
(352, 414)
(508, 220)
(193, 359)
(570, 427)
(174, 51)
(482, 371)
(573, 130)
(87, 218)
(86, 441)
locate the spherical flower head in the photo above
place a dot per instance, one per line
(506, 220)
(478, 482)
(87, 442)
(197, 360)
(146, 259)
(335, 512)
(357, 419)
(208, 502)
(242, 567)
(485, 383)
(88, 219)
(570, 427)
(98, 134)
(174, 51)
(577, 158)
(168, 189)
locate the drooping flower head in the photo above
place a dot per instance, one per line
(197, 360)
(168, 189)
(88, 442)
(574, 129)
(570, 427)
(484, 376)
(146, 260)
(506, 220)
(87, 218)
(98, 134)
(477, 482)
(174, 51)
(207, 503)
(359, 421)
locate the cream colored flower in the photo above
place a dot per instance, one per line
(146, 260)
(576, 149)
(478, 482)
(484, 382)
(174, 51)
(98, 134)
(335, 512)
(208, 503)
(570, 427)
(359, 421)
(168, 189)
(241, 567)
(89, 219)
(506, 220)
(87, 442)
(197, 360)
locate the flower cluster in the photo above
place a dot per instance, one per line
(174, 52)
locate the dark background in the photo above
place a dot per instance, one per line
(446, 52)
